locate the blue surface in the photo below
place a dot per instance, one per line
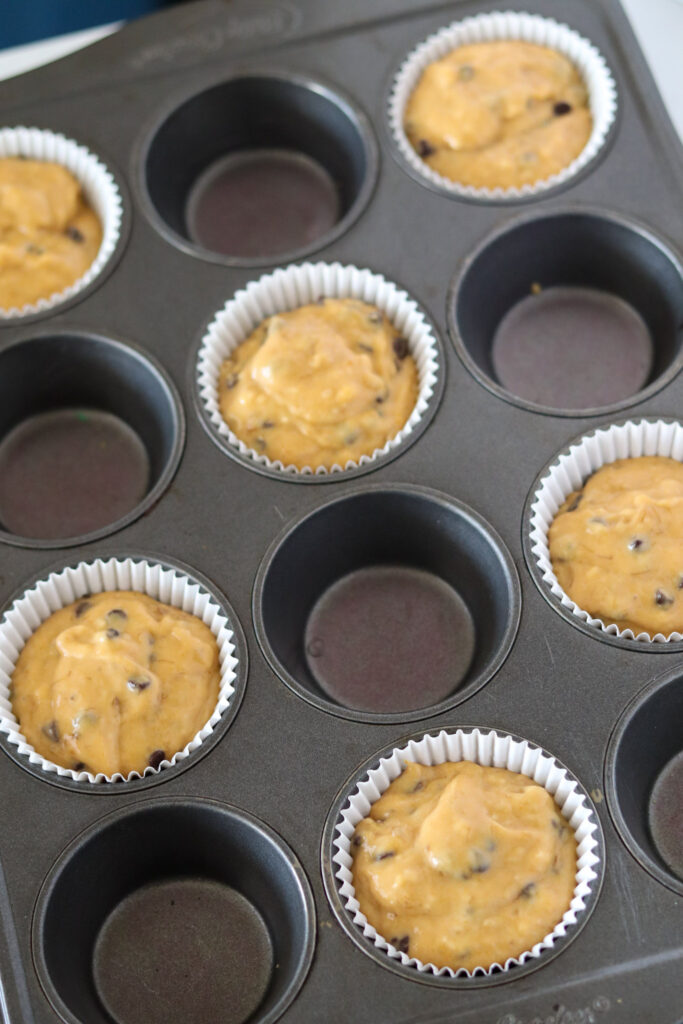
(24, 21)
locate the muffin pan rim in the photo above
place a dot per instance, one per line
(569, 210)
(296, 476)
(652, 647)
(477, 520)
(75, 293)
(145, 358)
(663, 875)
(138, 806)
(354, 932)
(255, 68)
(226, 719)
(538, 191)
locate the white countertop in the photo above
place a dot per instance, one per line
(658, 25)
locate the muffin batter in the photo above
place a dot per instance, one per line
(617, 545)
(501, 114)
(319, 385)
(48, 234)
(115, 682)
(464, 866)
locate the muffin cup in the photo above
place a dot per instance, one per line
(161, 581)
(568, 472)
(99, 188)
(294, 286)
(488, 748)
(506, 25)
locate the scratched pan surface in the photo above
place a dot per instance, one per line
(284, 758)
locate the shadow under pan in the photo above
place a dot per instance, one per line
(167, 952)
(389, 639)
(68, 472)
(262, 202)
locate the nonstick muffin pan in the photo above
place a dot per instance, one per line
(240, 824)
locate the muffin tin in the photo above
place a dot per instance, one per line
(248, 810)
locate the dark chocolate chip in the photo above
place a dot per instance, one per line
(576, 502)
(400, 347)
(74, 234)
(82, 607)
(139, 684)
(562, 108)
(111, 632)
(385, 856)
(79, 766)
(403, 944)
(466, 73)
(662, 598)
(365, 348)
(425, 148)
(481, 863)
(356, 841)
(117, 613)
(636, 543)
(527, 891)
(267, 424)
(51, 730)
(155, 758)
(231, 380)
(418, 786)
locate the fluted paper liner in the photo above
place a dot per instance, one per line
(569, 471)
(99, 188)
(165, 584)
(497, 25)
(294, 286)
(490, 749)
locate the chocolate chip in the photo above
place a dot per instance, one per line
(352, 437)
(74, 234)
(155, 758)
(111, 632)
(481, 863)
(418, 786)
(365, 348)
(576, 501)
(662, 598)
(402, 944)
(82, 607)
(400, 347)
(527, 891)
(356, 841)
(116, 613)
(385, 856)
(139, 684)
(51, 730)
(465, 73)
(231, 380)
(425, 148)
(79, 766)
(267, 424)
(562, 108)
(636, 543)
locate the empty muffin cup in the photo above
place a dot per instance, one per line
(644, 778)
(585, 316)
(259, 167)
(166, 582)
(490, 27)
(298, 285)
(566, 473)
(91, 434)
(174, 909)
(101, 192)
(484, 747)
(409, 612)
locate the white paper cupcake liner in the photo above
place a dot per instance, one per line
(530, 28)
(167, 585)
(99, 188)
(569, 471)
(490, 749)
(293, 286)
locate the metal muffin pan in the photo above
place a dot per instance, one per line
(284, 758)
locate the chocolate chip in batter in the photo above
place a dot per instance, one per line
(402, 944)
(562, 108)
(79, 766)
(138, 684)
(527, 891)
(356, 841)
(82, 607)
(400, 347)
(155, 758)
(74, 234)
(267, 424)
(111, 633)
(663, 599)
(231, 380)
(636, 544)
(418, 786)
(386, 855)
(51, 730)
(117, 614)
(481, 863)
(425, 148)
(465, 73)
(365, 348)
